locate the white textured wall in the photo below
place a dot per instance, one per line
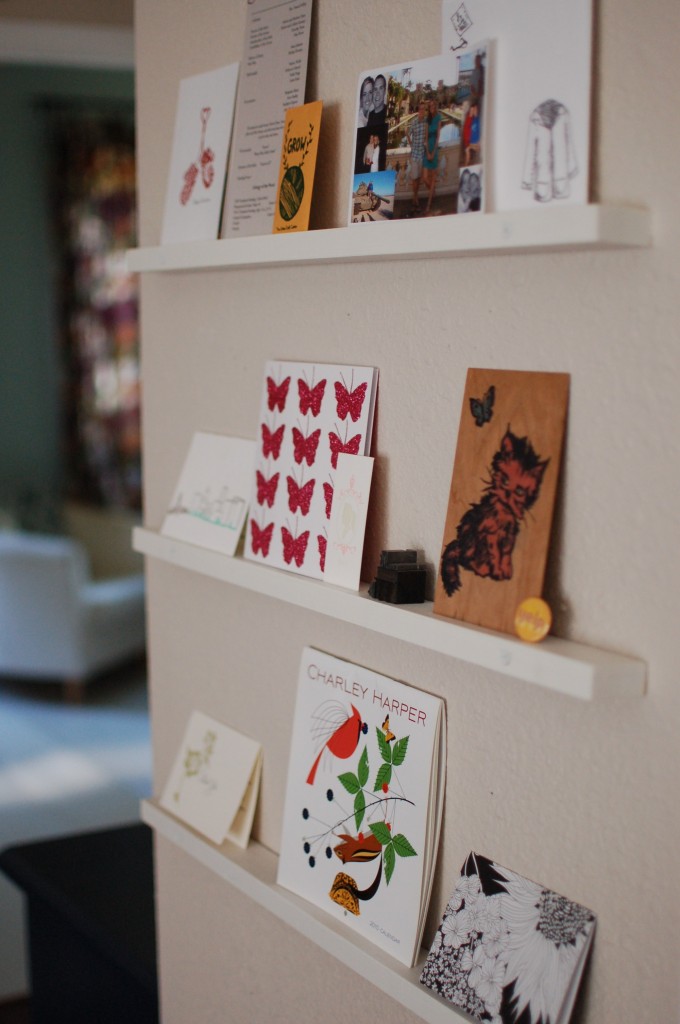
(582, 797)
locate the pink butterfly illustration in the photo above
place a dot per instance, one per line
(311, 398)
(299, 497)
(261, 539)
(322, 542)
(266, 488)
(351, 447)
(349, 402)
(277, 394)
(328, 495)
(305, 447)
(294, 548)
(271, 441)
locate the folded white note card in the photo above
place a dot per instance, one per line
(214, 781)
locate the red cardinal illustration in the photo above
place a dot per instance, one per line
(342, 742)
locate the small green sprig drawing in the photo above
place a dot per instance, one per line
(195, 760)
(355, 784)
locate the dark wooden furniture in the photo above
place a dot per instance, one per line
(91, 926)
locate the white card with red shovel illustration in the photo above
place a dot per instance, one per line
(200, 149)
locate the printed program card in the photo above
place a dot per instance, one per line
(273, 78)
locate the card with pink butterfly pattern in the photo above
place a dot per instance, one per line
(310, 413)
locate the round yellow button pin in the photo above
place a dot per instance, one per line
(532, 619)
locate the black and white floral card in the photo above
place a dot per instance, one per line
(508, 951)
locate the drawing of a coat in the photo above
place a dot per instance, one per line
(550, 160)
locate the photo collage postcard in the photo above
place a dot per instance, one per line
(420, 138)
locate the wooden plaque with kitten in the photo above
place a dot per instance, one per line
(502, 495)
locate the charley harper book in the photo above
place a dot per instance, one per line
(509, 951)
(364, 800)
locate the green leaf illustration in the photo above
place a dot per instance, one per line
(388, 861)
(193, 762)
(362, 769)
(399, 751)
(402, 846)
(384, 776)
(350, 782)
(383, 746)
(359, 808)
(381, 833)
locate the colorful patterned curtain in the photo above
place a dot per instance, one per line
(95, 215)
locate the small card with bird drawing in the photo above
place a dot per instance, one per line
(508, 949)
(214, 782)
(364, 800)
(502, 495)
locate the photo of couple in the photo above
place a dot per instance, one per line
(421, 127)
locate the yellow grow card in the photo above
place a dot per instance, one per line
(298, 162)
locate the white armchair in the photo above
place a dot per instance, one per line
(55, 621)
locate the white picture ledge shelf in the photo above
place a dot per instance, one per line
(544, 229)
(253, 872)
(561, 665)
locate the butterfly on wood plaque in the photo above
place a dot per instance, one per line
(299, 497)
(260, 538)
(482, 408)
(271, 441)
(322, 543)
(304, 448)
(337, 447)
(389, 736)
(349, 402)
(294, 548)
(311, 398)
(328, 498)
(277, 394)
(266, 488)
